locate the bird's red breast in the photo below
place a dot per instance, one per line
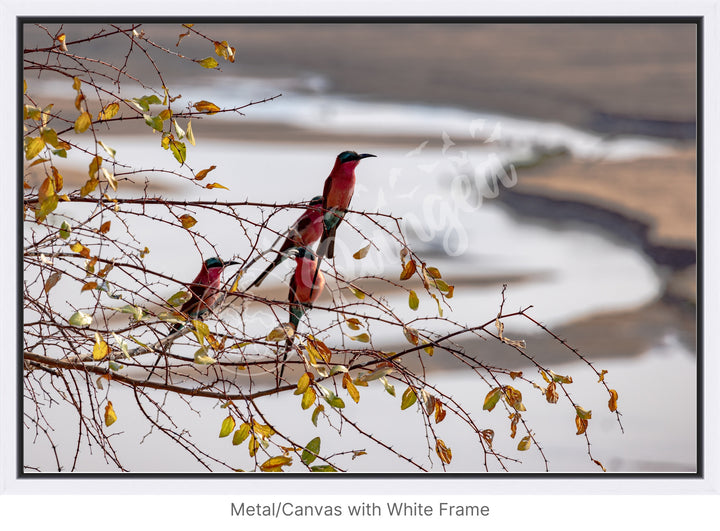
(301, 285)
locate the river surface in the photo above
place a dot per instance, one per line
(442, 186)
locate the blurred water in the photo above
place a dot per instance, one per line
(444, 195)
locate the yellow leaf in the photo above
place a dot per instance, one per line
(199, 176)
(280, 333)
(515, 374)
(83, 122)
(100, 350)
(362, 253)
(34, 147)
(79, 248)
(347, 383)
(303, 383)
(228, 425)
(204, 106)
(363, 338)
(216, 185)
(275, 464)
(560, 378)
(433, 272)
(94, 166)
(79, 99)
(57, 179)
(413, 300)
(110, 415)
(408, 270)
(612, 403)
(357, 292)
(89, 187)
(76, 83)
(429, 349)
(112, 181)
(201, 330)
(189, 134)
(524, 443)
(602, 376)
(187, 221)
(109, 111)
(443, 452)
(165, 114)
(208, 62)
(241, 434)
(308, 398)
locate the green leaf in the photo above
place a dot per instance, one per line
(311, 450)
(179, 298)
(413, 300)
(582, 413)
(316, 413)
(179, 151)
(65, 230)
(323, 468)
(491, 399)
(408, 398)
(201, 357)
(390, 388)
(80, 319)
(334, 400)
(228, 425)
(144, 103)
(154, 121)
(208, 62)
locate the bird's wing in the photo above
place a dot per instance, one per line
(326, 190)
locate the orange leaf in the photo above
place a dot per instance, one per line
(443, 452)
(408, 270)
(612, 403)
(199, 176)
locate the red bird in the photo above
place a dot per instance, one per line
(305, 287)
(338, 191)
(307, 230)
(204, 290)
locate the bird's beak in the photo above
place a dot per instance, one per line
(365, 155)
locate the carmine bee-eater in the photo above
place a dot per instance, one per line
(204, 290)
(305, 231)
(305, 287)
(338, 191)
